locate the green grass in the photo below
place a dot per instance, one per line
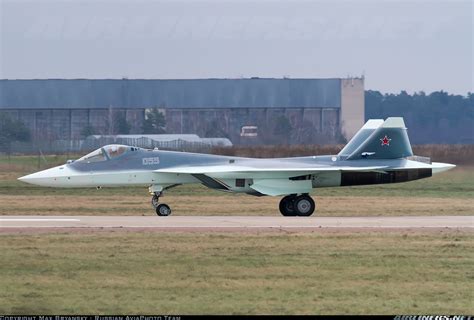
(270, 273)
(37, 162)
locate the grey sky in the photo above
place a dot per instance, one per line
(413, 46)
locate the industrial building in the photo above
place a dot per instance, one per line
(308, 110)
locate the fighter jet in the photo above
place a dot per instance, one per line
(379, 153)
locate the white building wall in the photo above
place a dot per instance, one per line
(352, 115)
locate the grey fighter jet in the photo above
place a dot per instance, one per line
(379, 153)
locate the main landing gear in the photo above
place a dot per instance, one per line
(293, 205)
(161, 209)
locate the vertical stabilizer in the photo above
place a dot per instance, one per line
(388, 141)
(369, 127)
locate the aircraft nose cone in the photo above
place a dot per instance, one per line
(24, 178)
(48, 177)
(34, 178)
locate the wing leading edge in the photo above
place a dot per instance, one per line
(290, 171)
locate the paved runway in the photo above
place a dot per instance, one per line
(234, 222)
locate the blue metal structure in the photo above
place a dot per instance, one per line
(189, 93)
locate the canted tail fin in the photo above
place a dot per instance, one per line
(379, 139)
(367, 129)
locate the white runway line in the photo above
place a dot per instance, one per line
(36, 220)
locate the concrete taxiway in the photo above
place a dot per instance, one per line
(210, 223)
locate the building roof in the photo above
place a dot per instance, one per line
(154, 137)
(186, 93)
(163, 140)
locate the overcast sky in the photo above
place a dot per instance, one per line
(402, 45)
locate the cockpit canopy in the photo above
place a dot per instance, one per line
(106, 153)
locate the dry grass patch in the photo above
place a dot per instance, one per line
(133, 272)
(228, 205)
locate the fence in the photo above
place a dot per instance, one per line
(83, 146)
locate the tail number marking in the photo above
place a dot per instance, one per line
(150, 161)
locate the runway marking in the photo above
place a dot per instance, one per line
(248, 227)
(35, 220)
(236, 222)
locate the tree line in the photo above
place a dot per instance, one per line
(436, 118)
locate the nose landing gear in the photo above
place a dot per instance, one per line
(161, 209)
(294, 205)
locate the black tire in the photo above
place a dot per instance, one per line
(163, 210)
(287, 207)
(304, 205)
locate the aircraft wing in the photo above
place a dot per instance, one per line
(289, 171)
(265, 181)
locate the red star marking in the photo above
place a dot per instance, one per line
(385, 141)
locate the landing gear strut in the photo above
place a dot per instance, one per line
(294, 205)
(161, 209)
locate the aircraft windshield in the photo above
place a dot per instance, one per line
(94, 156)
(105, 153)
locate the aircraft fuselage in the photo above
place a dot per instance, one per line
(136, 168)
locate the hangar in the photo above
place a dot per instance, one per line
(315, 110)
